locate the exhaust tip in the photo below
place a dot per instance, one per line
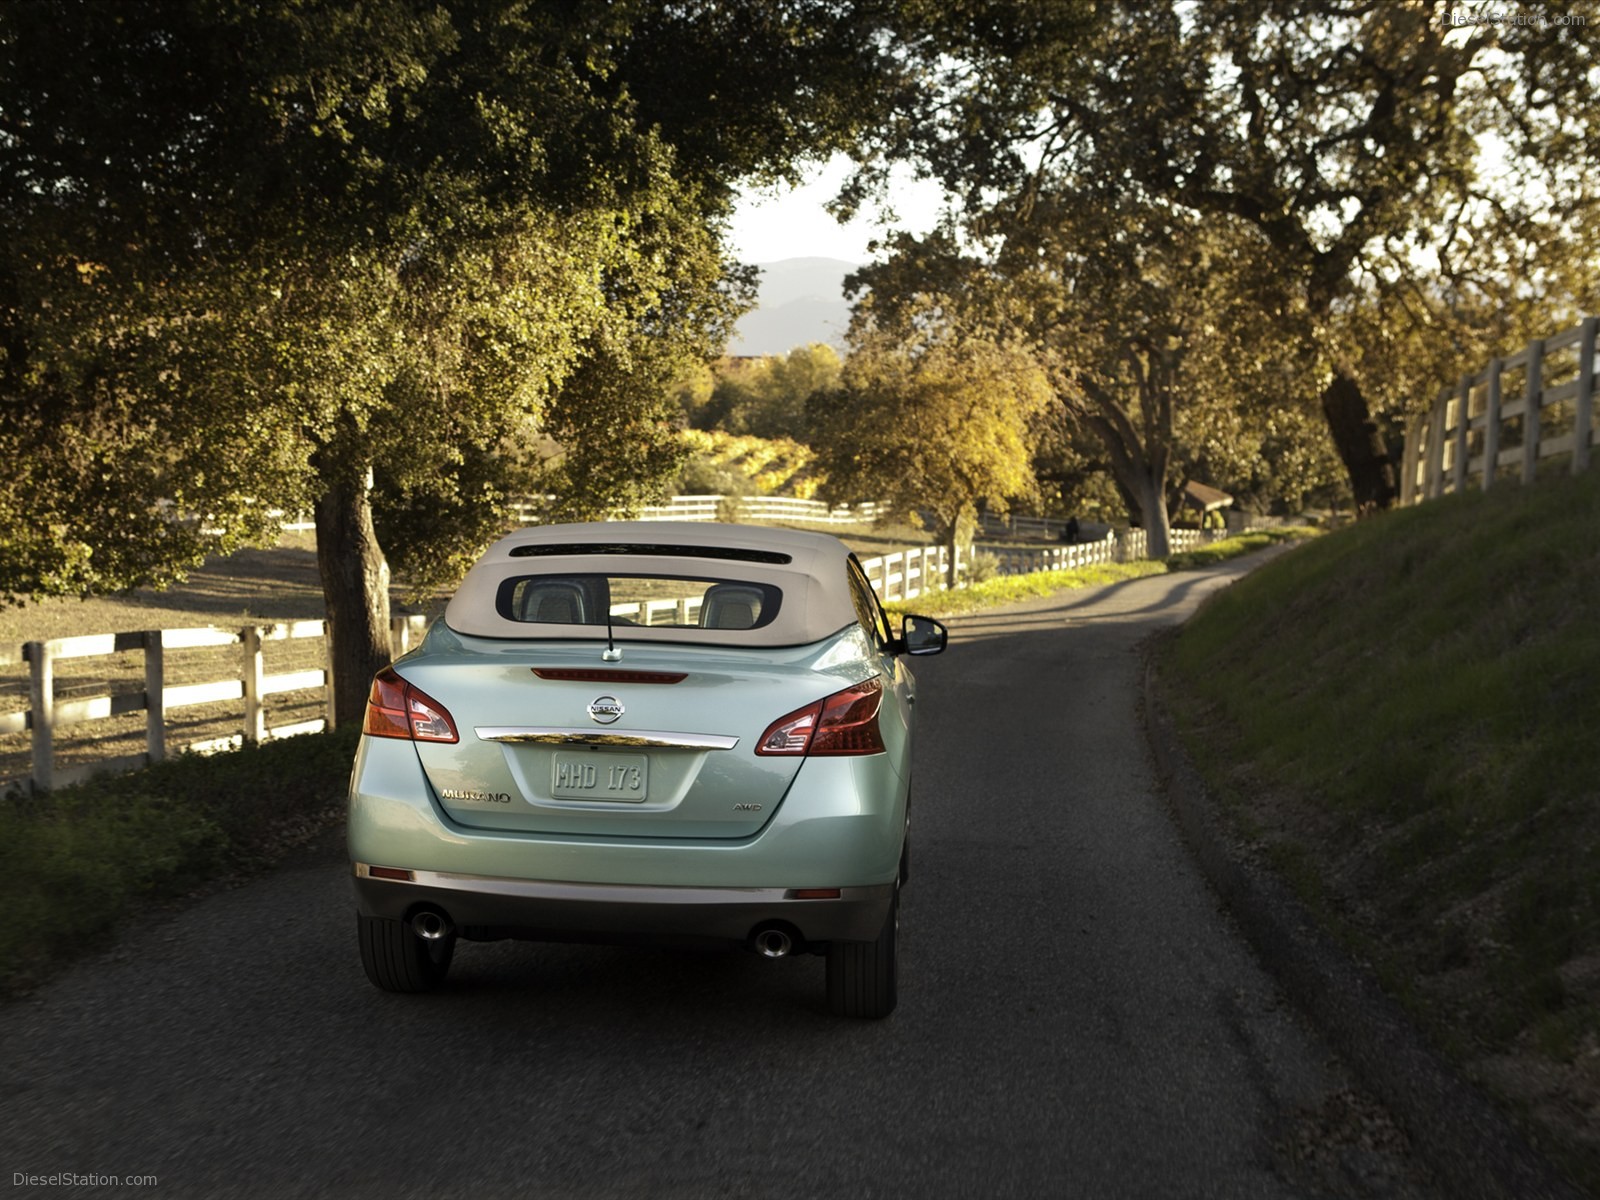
(773, 943)
(430, 926)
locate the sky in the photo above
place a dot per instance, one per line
(769, 227)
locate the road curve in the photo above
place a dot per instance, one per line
(1077, 1016)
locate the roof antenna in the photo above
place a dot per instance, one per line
(610, 653)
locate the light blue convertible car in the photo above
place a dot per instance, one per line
(644, 731)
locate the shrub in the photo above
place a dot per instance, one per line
(75, 861)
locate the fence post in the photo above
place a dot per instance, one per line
(400, 629)
(1583, 407)
(327, 674)
(1533, 394)
(155, 696)
(42, 700)
(255, 718)
(1491, 425)
(1463, 429)
(1408, 473)
(1434, 475)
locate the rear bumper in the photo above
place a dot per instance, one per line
(842, 824)
(488, 906)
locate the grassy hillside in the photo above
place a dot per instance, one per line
(1404, 717)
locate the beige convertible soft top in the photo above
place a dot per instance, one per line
(809, 568)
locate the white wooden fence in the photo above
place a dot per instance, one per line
(1499, 425)
(716, 507)
(1128, 546)
(1015, 561)
(1013, 525)
(758, 509)
(907, 574)
(47, 714)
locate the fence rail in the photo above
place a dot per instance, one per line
(718, 507)
(907, 574)
(1055, 558)
(1530, 408)
(1013, 525)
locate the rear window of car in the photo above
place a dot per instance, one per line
(661, 601)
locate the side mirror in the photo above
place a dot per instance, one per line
(923, 635)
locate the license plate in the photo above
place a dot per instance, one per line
(587, 775)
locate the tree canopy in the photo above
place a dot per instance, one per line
(1354, 139)
(932, 415)
(767, 397)
(282, 255)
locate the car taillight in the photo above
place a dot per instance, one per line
(843, 723)
(395, 709)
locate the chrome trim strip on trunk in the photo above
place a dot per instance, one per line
(650, 738)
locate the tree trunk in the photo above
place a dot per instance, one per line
(1355, 436)
(355, 589)
(1139, 470)
(1152, 496)
(955, 535)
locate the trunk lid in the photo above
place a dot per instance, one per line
(554, 742)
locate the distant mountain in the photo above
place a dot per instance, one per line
(801, 300)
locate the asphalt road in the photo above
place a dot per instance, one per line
(1077, 1016)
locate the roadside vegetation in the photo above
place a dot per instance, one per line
(722, 463)
(1404, 719)
(1009, 589)
(78, 862)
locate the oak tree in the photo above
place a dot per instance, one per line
(318, 256)
(1343, 133)
(932, 415)
(767, 398)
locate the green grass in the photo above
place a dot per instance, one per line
(77, 862)
(1009, 589)
(1413, 704)
(1241, 543)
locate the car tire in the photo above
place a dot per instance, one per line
(397, 960)
(862, 975)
